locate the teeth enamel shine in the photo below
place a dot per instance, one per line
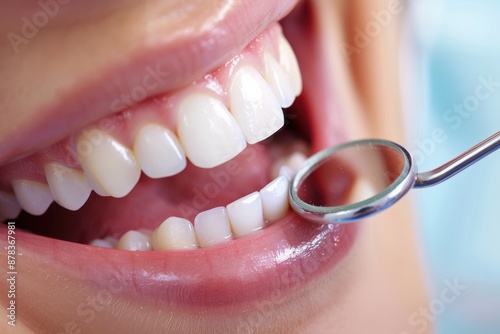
(290, 64)
(34, 197)
(208, 132)
(68, 186)
(295, 160)
(174, 233)
(212, 227)
(134, 241)
(278, 81)
(109, 164)
(274, 198)
(158, 152)
(9, 208)
(361, 190)
(254, 105)
(245, 214)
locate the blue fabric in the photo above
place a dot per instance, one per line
(456, 50)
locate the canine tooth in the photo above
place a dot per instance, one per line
(208, 132)
(109, 164)
(290, 64)
(134, 241)
(101, 243)
(212, 227)
(278, 81)
(68, 186)
(9, 208)
(245, 214)
(34, 197)
(158, 152)
(254, 105)
(274, 198)
(174, 233)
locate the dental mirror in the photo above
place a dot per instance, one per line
(346, 183)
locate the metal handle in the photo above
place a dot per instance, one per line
(466, 159)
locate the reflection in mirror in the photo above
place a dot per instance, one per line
(352, 174)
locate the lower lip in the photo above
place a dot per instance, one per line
(274, 262)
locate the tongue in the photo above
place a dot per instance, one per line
(152, 201)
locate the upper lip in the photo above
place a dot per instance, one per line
(222, 32)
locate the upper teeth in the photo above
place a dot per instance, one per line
(211, 129)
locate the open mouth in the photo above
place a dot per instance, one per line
(180, 193)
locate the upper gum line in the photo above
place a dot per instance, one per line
(114, 139)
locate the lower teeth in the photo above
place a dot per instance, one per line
(218, 225)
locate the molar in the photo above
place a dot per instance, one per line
(34, 197)
(254, 105)
(108, 164)
(158, 151)
(68, 186)
(208, 132)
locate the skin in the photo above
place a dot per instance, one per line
(377, 286)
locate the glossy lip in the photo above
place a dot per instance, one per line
(274, 262)
(278, 260)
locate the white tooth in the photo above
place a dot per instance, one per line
(361, 190)
(111, 240)
(287, 172)
(274, 198)
(68, 186)
(254, 105)
(9, 208)
(34, 197)
(108, 164)
(134, 241)
(279, 168)
(101, 243)
(208, 132)
(174, 233)
(278, 81)
(96, 187)
(158, 152)
(245, 214)
(290, 64)
(212, 227)
(295, 160)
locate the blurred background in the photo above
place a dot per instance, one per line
(451, 77)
